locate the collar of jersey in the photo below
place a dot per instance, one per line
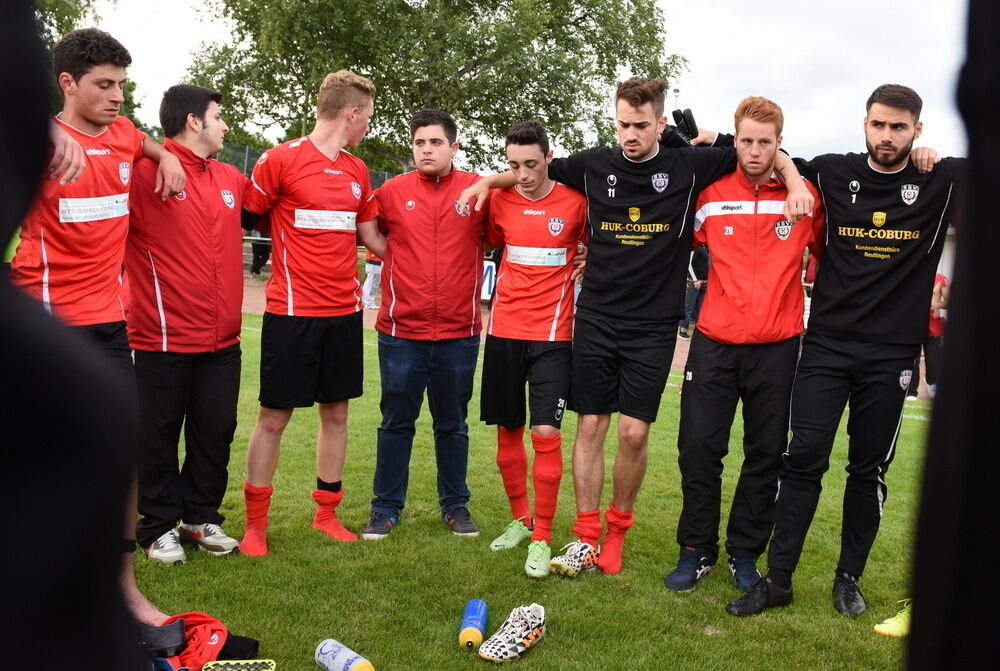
(183, 154)
(648, 158)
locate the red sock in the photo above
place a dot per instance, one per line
(588, 527)
(258, 503)
(513, 463)
(546, 474)
(326, 515)
(610, 560)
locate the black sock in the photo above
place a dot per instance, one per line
(780, 577)
(328, 486)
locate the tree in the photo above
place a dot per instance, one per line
(489, 64)
(58, 17)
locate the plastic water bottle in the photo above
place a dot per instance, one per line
(473, 627)
(335, 656)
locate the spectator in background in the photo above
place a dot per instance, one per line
(373, 277)
(934, 344)
(261, 252)
(697, 283)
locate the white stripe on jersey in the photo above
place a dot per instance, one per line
(288, 275)
(46, 297)
(159, 301)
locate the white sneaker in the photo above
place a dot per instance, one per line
(576, 557)
(523, 629)
(167, 549)
(209, 537)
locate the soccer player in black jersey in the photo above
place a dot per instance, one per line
(886, 225)
(640, 198)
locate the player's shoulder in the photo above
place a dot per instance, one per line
(353, 161)
(568, 195)
(122, 124)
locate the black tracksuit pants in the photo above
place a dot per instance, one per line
(873, 377)
(199, 391)
(716, 377)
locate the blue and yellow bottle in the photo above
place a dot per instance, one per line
(473, 627)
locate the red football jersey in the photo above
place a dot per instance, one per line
(534, 293)
(314, 206)
(72, 242)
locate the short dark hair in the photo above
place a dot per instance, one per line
(80, 51)
(432, 117)
(638, 91)
(181, 100)
(896, 95)
(529, 132)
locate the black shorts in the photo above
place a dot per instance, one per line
(508, 364)
(112, 339)
(306, 360)
(620, 366)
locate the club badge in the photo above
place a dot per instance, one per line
(782, 229)
(556, 225)
(228, 198)
(633, 213)
(124, 171)
(356, 190)
(904, 379)
(461, 212)
(660, 181)
(909, 193)
(878, 218)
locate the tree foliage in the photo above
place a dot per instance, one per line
(58, 17)
(489, 64)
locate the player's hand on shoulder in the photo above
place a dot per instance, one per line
(800, 201)
(704, 137)
(170, 177)
(68, 158)
(478, 192)
(924, 158)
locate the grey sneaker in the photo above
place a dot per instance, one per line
(378, 527)
(460, 521)
(167, 549)
(209, 537)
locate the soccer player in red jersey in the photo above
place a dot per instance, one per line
(72, 243)
(318, 196)
(185, 269)
(529, 337)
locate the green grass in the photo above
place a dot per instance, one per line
(399, 601)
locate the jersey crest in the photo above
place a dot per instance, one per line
(782, 229)
(228, 198)
(878, 218)
(633, 213)
(461, 212)
(909, 193)
(356, 190)
(904, 379)
(556, 225)
(660, 181)
(124, 171)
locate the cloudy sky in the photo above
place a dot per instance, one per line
(819, 60)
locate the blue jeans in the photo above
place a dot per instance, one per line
(445, 369)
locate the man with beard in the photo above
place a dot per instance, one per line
(886, 227)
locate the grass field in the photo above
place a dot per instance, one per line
(398, 602)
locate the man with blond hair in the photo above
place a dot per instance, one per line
(318, 199)
(745, 347)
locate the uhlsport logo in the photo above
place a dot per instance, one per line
(854, 186)
(878, 218)
(909, 193)
(356, 190)
(904, 379)
(556, 225)
(782, 229)
(612, 180)
(633, 213)
(124, 171)
(228, 198)
(660, 181)
(181, 196)
(410, 204)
